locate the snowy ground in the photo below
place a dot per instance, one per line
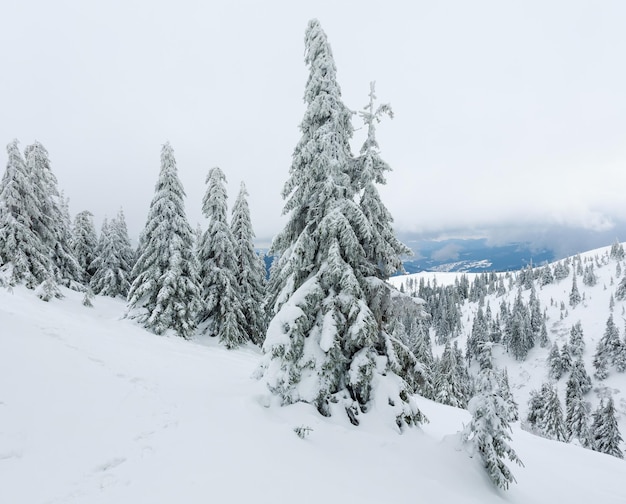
(94, 410)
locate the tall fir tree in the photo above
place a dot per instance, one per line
(489, 430)
(53, 222)
(577, 413)
(382, 248)
(222, 313)
(608, 350)
(164, 293)
(23, 255)
(552, 421)
(114, 260)
(574, 296)
(452, 385)
(249, 269)
(605, 434)
(84, 243)
(519, 332)
(576, 340)
(555, 363)
(327, 343)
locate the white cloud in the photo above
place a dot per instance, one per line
(506, 114)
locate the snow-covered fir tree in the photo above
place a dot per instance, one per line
(489, 430)
(545, 414)
(546, 276)
(164, 293)
(589, 276)
(221, 313)
(617, 251)
(114, 259)
(327, 343)
(519, 335)
(566, 358)
(452, 382)
(383, 250)
(53, 222)
(574, 296)
(84, 243)
(555, 363)
(605, 434)
(536, 403)
(608, 350)
(576, 408)
(23, 255)
(577, 340)
(552, 418)
(420, 345)
(249, 269)
(620, 292)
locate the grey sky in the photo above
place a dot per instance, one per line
(509, 115)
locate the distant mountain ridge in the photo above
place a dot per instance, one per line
(463, 256)
(472, 256)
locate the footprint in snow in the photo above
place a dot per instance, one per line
(111, 464)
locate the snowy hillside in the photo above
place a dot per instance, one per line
(592, 312)
(94, 409)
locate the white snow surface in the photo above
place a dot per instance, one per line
(93, 409)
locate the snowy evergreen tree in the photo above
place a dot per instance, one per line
(609, 350)
(601, 364)
(555, 363)
(605, 434)
(617, 251)
(545, 415)
(620, 292)
(561, 270)
(114, 260)
(327, 343)
(576, 340)
(452, 385)
(574, 296)
(52, 223)
(577, 420)
(536, 406)
(589, 276)
(507, 395)
(88, 298)
(249, 270)
(536, 318)
(23, 255)
(552, 418)
(619, 357)
(566, 358)
(48, 290)
(222, 313)
(421, 347)
(164, 293)
(478, 336)
(579, 377)
(489, 431)
(577, 411)
(520, 337)
(546, 277)
(382, 248)
(84, 243)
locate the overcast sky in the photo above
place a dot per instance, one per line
(510, 116)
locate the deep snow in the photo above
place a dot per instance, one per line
(93, 409)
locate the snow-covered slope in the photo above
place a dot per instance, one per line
(94, 410)
(592, 312)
